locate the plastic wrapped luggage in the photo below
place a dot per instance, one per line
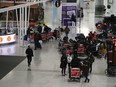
(74, 74)
(81, 50)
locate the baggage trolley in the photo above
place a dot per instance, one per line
(74, 74)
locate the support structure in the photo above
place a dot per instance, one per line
(24, 15)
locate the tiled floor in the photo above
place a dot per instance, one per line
(45, 71)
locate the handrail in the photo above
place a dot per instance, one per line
(21, 6)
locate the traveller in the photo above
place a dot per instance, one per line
(55, 33)
(37, 38)
(63, 64)
(91, 59)
(86, 70)
(69, 59)
(66, 30)
(29, 53)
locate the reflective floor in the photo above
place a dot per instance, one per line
(45, 71)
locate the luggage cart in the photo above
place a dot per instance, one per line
(74, 74)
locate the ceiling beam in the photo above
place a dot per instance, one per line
(21, 6)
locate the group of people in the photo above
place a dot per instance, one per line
(69, 51)
(70, 57)
(73, 61)
(37, 34)
(93, 47)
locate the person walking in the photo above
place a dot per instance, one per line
(69, 59)
(86, 70)
(63, 64)
(29, 53)
(66, 30)
(91, 59)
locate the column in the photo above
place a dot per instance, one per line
(28, 15)
(17, 21)
(6, 20)
(55, 18)
(21, 41)
(25, 21)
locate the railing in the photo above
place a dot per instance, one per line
(13, 26)
(20, 0)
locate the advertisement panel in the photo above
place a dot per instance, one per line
(69, 14)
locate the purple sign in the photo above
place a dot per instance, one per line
(69, 15)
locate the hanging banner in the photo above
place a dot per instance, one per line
(69, 14)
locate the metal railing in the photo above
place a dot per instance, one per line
(12, 26)
(20, 0)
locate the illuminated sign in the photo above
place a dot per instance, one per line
(7, 38)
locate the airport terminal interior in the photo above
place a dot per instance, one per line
(45, 69)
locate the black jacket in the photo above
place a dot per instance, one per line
(39, 29)
(86, 68)
(63, 62)
(75, 63)
(29, 52)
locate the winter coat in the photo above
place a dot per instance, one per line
(75, 63)
(63, 61)
(86, 68)
(29, 52)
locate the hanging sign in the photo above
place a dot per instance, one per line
(57, 3)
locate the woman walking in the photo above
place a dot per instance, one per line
(63, 64)
(29, 53)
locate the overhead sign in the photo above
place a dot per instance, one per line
(68, 11)
(57, 3)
